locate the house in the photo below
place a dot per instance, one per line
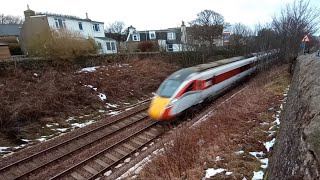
(4, 51)
(86, 28)
(171, 39)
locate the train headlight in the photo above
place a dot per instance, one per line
(172, 102)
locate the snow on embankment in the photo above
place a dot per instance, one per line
(296, 153)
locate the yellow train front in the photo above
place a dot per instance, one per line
(163, 104)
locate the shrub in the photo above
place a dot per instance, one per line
(15, 49)
(61, 44)
(148, 46)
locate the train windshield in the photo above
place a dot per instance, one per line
(168, 88)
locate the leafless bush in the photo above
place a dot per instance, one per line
(148, 46)
(125, 82)
(26, 98)
(181, 159)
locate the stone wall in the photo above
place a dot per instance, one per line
(296, 154)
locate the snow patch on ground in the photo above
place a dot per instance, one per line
(212, 172)
(114, 113)
(102, 96)
(135, 169)
(3, 149)
(127, 160)
(107, 173)
(218, 158)
(62, 129)
(119, 165)
(239, 152)
(89, 69)
(257, 175)
(111, 105)
(80, 125)
(26, 140)
(42, 139)
(269, 144)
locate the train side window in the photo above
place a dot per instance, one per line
(190, 87)
(213, 80)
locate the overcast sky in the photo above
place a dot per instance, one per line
(148, 14)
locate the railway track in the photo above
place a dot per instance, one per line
(105, 159)
(23, 168)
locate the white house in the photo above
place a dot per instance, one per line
(85, 27)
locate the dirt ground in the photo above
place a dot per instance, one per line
(37, 104)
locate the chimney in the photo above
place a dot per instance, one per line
(28, 13)
(87, 16)
(183, 33)
(131, 29)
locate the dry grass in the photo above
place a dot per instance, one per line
(235, 125)
(60, 45)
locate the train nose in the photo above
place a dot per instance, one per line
(157, 107)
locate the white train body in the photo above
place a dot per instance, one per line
(190, 86)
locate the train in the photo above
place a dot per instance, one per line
(190, 86)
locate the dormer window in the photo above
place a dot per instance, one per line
(96, 27)
(171, 35)
(152, 34)
(60, 23)
(135, 37)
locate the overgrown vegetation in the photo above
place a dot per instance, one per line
(61, 45)
(234, 126)
(30, 97)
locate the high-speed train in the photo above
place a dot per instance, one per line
(190, 86)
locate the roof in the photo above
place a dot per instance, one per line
(160, 35)
(10, 29)
(105, 38)
(66, 17)
(203, 67)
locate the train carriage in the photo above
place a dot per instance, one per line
(190, 86)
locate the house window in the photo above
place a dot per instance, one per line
(170, 47)
(136, 37)
(152, 34)
(60, 23)
(96, 27)
(171, 35)
(111, 46)
(80, 26)
(99, 46)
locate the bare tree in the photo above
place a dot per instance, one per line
(116, 27)
(207, 27)
(242, 39)
(8, 19)
(266, 38)
(295, 21)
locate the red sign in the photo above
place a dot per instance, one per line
(305, 39)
